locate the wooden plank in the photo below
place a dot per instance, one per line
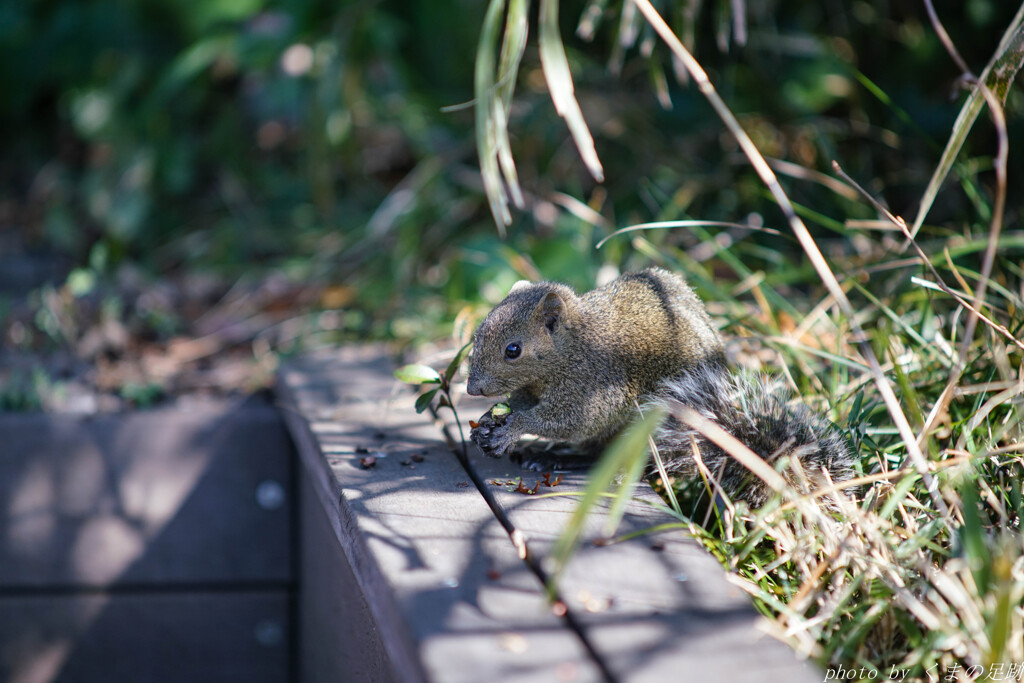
(448, 597)
(651, 612)
(194, 637)
(156, 497)
(339, 639)
(441, 579)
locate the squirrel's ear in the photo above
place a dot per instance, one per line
(522, 284)
(552, 311)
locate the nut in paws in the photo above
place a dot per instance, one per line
(493, 437)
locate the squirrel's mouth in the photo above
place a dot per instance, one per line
(476, 388)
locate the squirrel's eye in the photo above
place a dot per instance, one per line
(513, 350)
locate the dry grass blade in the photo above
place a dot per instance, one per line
(666, 481)
(559, 78)
(1007, 71)
(806, 241)
(788, 168)
(1010, 56)
(735, 448)
(663, 225)
(584, 212)
(997, 77)
(858, 482)
(939, 282)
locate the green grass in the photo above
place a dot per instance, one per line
(889, 579)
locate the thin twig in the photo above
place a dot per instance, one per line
(944, 37)
(518, 539)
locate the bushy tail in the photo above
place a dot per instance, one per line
(758, 413)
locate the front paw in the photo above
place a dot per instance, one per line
(495, 438)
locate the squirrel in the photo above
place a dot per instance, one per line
(578, 367)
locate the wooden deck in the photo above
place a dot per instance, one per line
(153, 546)
(255, 543)
(406, 575)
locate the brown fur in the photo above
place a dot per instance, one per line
(585, 363)
(759, 414)
(587, 360)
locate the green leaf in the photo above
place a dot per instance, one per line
(972, 536)
(898, 495)
(1008, 595)
(423, 401)
(191, 62)
(417, 374)
(634, 470)
(81, 281)
(453, 367)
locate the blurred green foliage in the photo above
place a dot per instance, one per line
(319, 143)
(310, 137)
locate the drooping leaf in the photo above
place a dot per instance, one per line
(493, 98)
(453, 367)
(559, 78)
(423, 401)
